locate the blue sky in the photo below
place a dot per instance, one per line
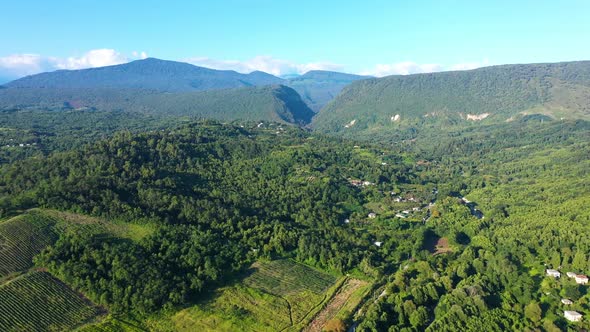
(283, 36)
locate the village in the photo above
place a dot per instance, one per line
(580, 279)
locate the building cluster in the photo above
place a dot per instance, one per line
(360, 183)
(20, 145)
(581, 279)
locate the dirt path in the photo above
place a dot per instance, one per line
(442, 246)
(334, 305)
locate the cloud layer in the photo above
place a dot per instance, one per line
(18, 65)
(409, 67)
(277, 67)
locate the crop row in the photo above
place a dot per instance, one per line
(284, 276)
(22, 238)
(38, 302)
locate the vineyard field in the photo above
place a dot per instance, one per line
(38, 302)
(21, 238)
(279, 295)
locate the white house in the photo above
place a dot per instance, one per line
(378, 244)
(553, 273)
(572, 316)
(372, 215)
(572, 274)
(346, 221)
(400, 215)
(566, 301)
(581, 279)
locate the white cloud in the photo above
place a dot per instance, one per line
(94, 58)
(21, 64)
(263, 63)
(409, 67)
(18, 65)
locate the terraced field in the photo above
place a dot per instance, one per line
(281, 295)
(38, 302)
(21, 238)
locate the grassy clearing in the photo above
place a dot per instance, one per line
(79, 223)
(275, 296)
(38, 302)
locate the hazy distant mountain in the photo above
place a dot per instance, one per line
(319, 87)
(498, 93)
(149, 73)
(315, 87)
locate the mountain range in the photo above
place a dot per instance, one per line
(345, 103)
(316, 87)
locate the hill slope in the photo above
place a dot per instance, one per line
(498, 93)
(272, 103)
(149, 73)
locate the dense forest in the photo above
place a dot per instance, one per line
(224, 196)
(491, 95)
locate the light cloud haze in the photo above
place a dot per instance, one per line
(18, 65)
(409, 67)
(268, 64)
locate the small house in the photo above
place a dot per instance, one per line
(372, 215)
(400, 215)
(406, 211)
(378, 244)
(581, 279)
(572, 316)
(347, 221)
(567, 301)
(415, 209)
(571, 274)
(553, 273)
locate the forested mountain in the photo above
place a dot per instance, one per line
(150, 74)
(318, 87)
(271, 103)
(490, 94)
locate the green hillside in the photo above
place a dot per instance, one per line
(270, 103)
(491, 94)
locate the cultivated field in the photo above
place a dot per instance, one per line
(38, 302)
(277, 296)
(21, 238)
(25, 236)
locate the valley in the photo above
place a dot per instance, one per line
(248, 207)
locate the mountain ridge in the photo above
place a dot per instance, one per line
(496, 93)
(315, 87)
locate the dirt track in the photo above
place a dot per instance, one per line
(332, 308)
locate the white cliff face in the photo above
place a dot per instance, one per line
(395, 118)
(477, 117)
(350, 124)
